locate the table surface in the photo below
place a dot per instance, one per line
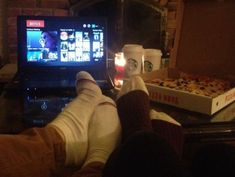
(14, 118)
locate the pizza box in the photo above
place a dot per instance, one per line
(204, 45)
(184, 99)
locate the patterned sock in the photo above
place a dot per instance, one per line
(133, 107)
(72, 123)
(104, 131)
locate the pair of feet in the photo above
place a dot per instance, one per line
(92, 126)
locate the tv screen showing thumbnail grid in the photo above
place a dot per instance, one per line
(61, 42)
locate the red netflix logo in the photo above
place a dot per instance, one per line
(35, 23)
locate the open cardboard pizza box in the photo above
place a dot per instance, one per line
(204, 45)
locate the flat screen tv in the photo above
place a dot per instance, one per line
(61, 42)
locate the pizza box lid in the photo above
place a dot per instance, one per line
(204, 45)
(205, 39)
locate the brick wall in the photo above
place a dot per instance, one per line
(27, 7)
(2, 17)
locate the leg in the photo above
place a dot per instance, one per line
(104, 131)
(135, 114)
(103, 137)
(133, 107)
(169, 129)
(144, 153)
(40, 151)
(72, 123)
(36, 152)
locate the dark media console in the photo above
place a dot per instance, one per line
(40, 106)
(38, 111)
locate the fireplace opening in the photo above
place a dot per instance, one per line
(129, 21)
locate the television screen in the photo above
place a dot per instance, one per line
(61, 41)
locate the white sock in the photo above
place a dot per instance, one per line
(104, 131)
(154, 115)
(72, 123)
(134, 83)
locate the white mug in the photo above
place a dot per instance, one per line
(133, 54)
(152, 59)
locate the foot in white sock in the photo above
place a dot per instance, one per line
(104, 131)
(72, 123)
(134, 83)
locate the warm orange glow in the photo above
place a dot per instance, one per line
(119, 59)
(118, 82)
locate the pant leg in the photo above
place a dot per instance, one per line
(144, 153)
(133, 110)
(36, 152)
